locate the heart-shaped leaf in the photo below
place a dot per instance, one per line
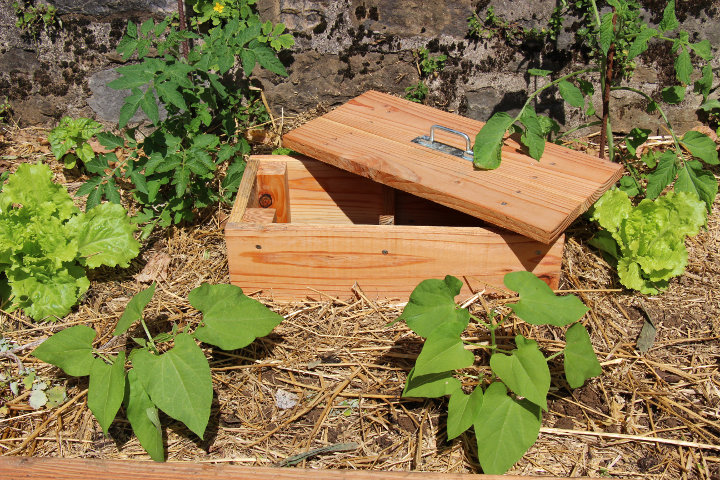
(463, 410)
(231, 319)
(581, 363)
(69, 349)
(432, 306)
(430, 386)
(178, 382)
(538, 304)
(443, 351)
(525, 371)
(505, 428)
(134, 309)
(143, 417)
(106, 389)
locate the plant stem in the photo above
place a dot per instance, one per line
(678, 150)
(579, 127)
(554, 355)
(545, 87)
(481, 321)
(606, 130)
(147, 332)
(183, 26)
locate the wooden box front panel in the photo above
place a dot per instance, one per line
(334, 238)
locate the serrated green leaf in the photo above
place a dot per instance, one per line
(110, 141)
(683, 67)
(231, 320)
(703, 86)
(662, 176)
(581, 363)
(432, 306)
(525, 371)
(538, 72)
(692, 178)
(703, 49)
(111, 191)
(134, 309)
(701, 146)
(69, 349)
(143, 417)
(106, 389)
(442, 352)
(489, 141)
(178, 382)
(247, 57)
(639, 45)
(168, 92)
(538, 304)
(147, 26)
(267, 59)
(505, 429)
(130, 107)
(571, 94)
(669, 21)
(430, 386)
(606, 32)
(105, 236)
(674, 94)
(630, 186)
(463, 411)
(710, 105)
(150, 107)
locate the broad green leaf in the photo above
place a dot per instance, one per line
(105, 236)
(130, 107)
(430, 386)
(108, 140)
(505, 429)
(703, 49)
(683, 67)
(248, 59)
(669, 21)
(630, 186)
(168, 92)
(442, 352)
(178, 382)
(231, 320)
(432, 306)
(143, 417)
(703, 86)
(463, 411)
(45, 290)
(533, 137)
(611, 209)
(606, 33)
(134, 309)
(489, 141)
(639, 45)
(150, 107)
(710, 105)
(674, 94)
(606, 243)
(663, 175)
(69, 349)
(581, 363)
(537, 72)
(701, 146)
(46, 197)
(635, 138)
(694, 179)
(571, 94)
(106, 389)
(525, 371)
(538, 304)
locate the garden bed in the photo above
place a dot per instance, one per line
(329, 378)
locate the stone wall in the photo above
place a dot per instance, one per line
(342, 49)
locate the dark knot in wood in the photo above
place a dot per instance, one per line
(266, 200)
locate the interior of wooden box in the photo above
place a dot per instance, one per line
(306, 191)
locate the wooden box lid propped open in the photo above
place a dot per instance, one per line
(372, 136)
(362, 204)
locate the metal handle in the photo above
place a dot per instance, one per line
(450, 130)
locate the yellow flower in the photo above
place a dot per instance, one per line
(219, 7)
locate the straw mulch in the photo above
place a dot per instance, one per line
(650, 415)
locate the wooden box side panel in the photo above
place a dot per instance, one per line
(293, 262)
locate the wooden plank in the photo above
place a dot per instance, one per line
(260, 215)
(272, 189)
(31, 468)
(387, 217)
(371, 136)
(289, 261)
(246, 196)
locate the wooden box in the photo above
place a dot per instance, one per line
(367, 205)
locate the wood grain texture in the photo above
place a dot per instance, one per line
(335, 241)
(272, 181)
(371, 136)
(260, 215)
(30, 468)
(246, 196)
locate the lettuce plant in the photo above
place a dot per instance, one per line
(647, 241)
(46, 243)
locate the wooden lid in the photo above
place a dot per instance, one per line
(372, 135)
